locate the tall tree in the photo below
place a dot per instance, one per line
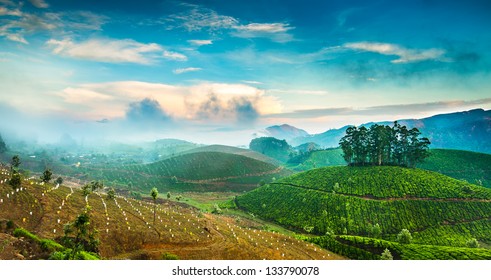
(15, 163)
(154, 193)
(384, 145)
(46, 177)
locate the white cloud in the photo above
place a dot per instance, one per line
(6, 12)
(106, 50)
(199, 18)
(200, 42)
(174, 56)
(16, 29)
(39, 4)
(405, 55)
(185, 70)
(275, 31)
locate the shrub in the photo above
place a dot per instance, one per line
(404, 237)
(216, 209)
(169, 256)
(386, 255)
(472, 243)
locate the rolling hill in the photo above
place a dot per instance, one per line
(199, 171)
(33, 218)
(233, 150)
(473, 167)
(463, 165)
(350, 201)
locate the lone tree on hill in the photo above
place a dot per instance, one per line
(15, 163)
(15, 179)
(46, 177)
(59, 181)
(154, 195)
(384, 145)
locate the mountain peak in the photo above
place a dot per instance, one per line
(285, 131)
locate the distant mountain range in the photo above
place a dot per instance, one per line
(469, 130)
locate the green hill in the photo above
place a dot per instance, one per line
(351, 200)
(200, 171)
(316, 158)
(473, 167)
(235, 151)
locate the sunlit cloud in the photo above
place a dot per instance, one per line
(405, 55)
(220, 103)
(106, 50)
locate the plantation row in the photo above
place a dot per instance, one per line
(455, 235)
(475, 168)
(301, 209)
(364, 248)
(385, 181)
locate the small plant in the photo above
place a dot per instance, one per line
(404, 237)
(169, 256)
(386, 255)
(59, 180)
(308, 229)
(111, 193)
(216, 209)
(472, 243)
(10, 224)
(15, 180)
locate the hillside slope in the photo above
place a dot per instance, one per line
(463, 165)
(351, 200)
(126, 229)
(235, 151)
(200, 171)
(473, 167)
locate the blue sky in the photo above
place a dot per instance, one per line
(205, 70)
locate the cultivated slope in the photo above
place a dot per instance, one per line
(350, 200)
(127, 231)
(201, 171)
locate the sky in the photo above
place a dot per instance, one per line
(222, 71)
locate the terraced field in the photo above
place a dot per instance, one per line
(126, 229)
(436, 209)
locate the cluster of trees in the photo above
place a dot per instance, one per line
(384, 145)
(272, 147)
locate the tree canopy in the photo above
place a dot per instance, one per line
(384, 145)
(272, 147)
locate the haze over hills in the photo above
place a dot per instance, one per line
(469, 130)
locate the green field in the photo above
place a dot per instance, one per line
(436, 209)
(473, 167)
(201, 171)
